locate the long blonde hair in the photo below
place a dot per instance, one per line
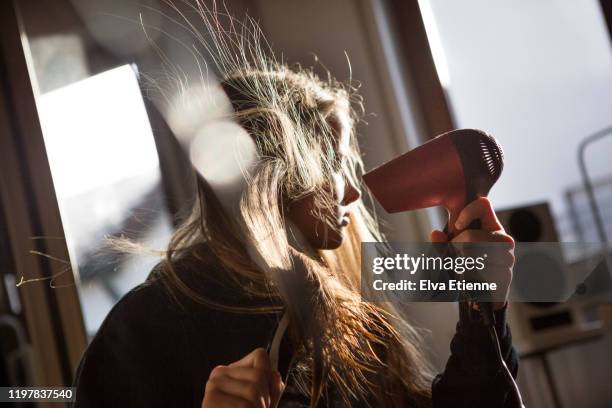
(356, 348)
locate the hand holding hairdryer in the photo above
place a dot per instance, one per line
(455, 170)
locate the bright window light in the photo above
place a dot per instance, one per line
(435, 43)
(97, 132)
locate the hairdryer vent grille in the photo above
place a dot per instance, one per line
(493, 156)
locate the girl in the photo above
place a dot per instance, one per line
(206, 327)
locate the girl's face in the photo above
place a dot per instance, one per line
(302, 214)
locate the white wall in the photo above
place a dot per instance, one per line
(538, 76)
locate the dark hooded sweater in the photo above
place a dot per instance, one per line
(152, 352)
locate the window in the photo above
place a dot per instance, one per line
(538, 76)
(106, 175)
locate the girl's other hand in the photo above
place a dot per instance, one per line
(249, 383)
(499, 266)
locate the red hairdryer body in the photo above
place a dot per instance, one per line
(450, 171)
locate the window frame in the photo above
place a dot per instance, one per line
(53, 316)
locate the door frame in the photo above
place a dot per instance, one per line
(50, 298)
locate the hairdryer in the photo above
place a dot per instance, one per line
(450, 170)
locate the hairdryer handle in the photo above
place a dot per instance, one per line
(486, 309)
